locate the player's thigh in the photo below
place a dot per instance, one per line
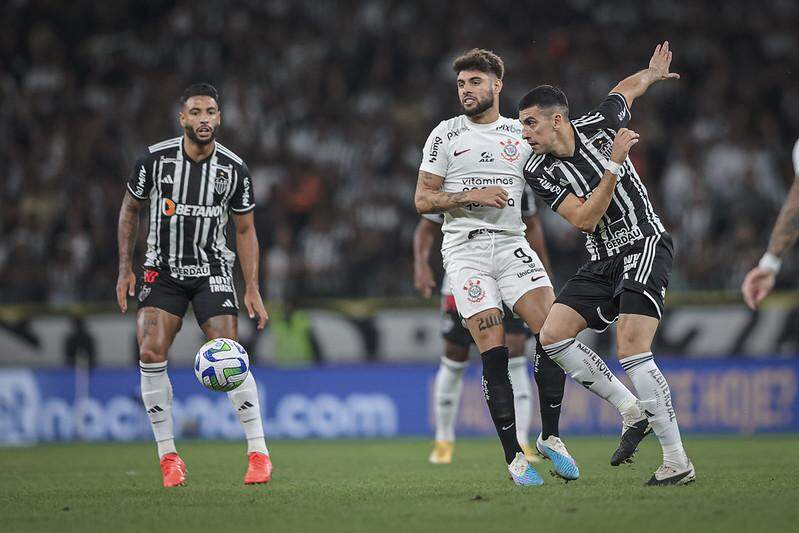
(516, 333)
(586, 300)
(561, 323)
(155, 332)
(635, 333)
(534, 306)
(457, 338)
(475, 290)
(522, 277)
(486, 329)
(214, 297)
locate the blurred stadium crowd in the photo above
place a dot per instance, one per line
(330, 102)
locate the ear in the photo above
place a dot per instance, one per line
(497, 86)
(182, 118)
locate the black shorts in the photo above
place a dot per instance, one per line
(642, 269)
(453, 330)
(210, 296)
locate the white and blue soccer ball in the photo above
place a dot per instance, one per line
(221, 365)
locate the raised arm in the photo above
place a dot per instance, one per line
(586, 215)
(423, 238)
(637, 84)
(430, 198)
(127, 229)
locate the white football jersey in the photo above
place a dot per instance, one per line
(471, 156)
(796, 158)
(528, 209)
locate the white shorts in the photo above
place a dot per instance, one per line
(492, 268)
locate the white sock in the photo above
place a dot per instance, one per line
(156, 394)
(447, 397)
(522, 392)
(653, 390)
(590, 371)
(248, 410)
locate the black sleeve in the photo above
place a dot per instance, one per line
(546, 187)
(140, 182)
(614, 111)
(242, 200)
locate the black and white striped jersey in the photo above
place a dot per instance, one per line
(630, 216)
(189, 205)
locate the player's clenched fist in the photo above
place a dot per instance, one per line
(625, 139)
(492, 196)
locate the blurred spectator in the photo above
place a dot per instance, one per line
(330, 103)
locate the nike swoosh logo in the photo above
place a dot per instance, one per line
(457, 153)
(555, 406)
(507, 428)
(536, 278)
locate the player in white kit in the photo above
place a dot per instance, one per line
(472, 171)
(448, 383)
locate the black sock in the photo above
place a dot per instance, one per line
(551, 381)
(499, 396)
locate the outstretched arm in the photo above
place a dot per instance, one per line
(637, 84)
(759, 282)
(127, 228)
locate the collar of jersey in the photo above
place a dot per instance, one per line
(201, 161)
(488, 126)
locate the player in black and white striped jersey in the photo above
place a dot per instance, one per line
(191, 183)
(581, 169)
(457, 340)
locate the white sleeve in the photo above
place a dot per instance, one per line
(435, 158)
(437, 218)
(796, 158)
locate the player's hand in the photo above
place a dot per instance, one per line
(423, 280)
(255, 306)
(757, 284)
(492, 196)
(625, 139)
(660, 62)
(126, 286)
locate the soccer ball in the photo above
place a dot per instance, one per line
(221, 364)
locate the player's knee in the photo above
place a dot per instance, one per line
(456, 352)
(631, 342)
(548, 335)
(149, 355)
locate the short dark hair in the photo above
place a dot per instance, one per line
(545, 97)
(479, 59)
(199, 89)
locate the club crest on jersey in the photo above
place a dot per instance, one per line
(221, 181)
(510, 150)
(474, 292)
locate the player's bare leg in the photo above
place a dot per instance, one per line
(245, 402)
(558, 342)
(155, 332)
(533, 307)
(489, 335)
(447, 396)
(634, 339)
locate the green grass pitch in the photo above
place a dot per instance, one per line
(743, 484)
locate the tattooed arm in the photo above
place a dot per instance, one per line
(430, 198)
(127, 229)
(759, 282)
